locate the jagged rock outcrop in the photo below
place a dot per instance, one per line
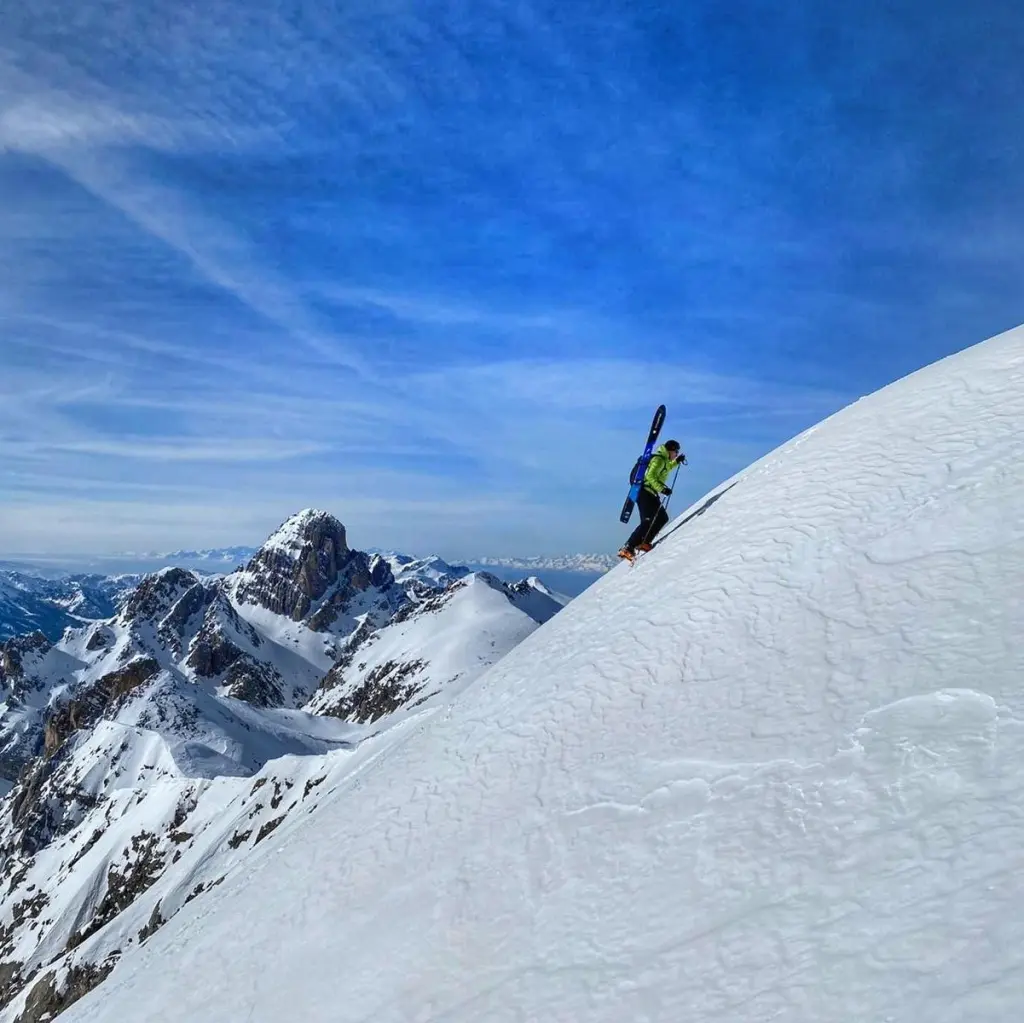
(156, 594)
(48, 999)
(14, 653)
(42, 807)
(213, 651)
(254, 682)
(383, 690)
(298, 565)
(21, 735)
(100, 638)
(360, 575)
(189, 605)
(89, 705)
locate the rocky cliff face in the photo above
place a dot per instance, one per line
(297, 566)
(13, 656)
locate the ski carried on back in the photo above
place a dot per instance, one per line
(636, 477)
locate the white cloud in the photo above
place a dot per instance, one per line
(222, 257)
(442, 311)
(89, 141)
(604, 384)
(194, 450)
(52, 122)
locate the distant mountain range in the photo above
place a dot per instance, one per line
(225, 555)
(556, 563)
(39, 597)
(34, 603)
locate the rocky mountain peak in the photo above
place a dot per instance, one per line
(296, 567)
(158, 593)
(306, 531)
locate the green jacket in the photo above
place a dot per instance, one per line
(658, 469)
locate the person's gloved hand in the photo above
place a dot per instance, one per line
(666, 490)
(681, 459)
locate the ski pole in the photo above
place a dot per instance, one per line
(673, 488)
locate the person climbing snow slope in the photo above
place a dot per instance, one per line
(652, 513)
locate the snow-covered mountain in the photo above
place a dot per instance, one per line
(132, 749)
(773, 771)
(30, 602)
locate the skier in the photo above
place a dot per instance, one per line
(652, 513)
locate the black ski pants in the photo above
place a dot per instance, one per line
(652, 519)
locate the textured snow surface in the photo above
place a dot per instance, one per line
(774, 771)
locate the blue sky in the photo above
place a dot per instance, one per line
(431, 266)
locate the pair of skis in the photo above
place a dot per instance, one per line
(636, 477)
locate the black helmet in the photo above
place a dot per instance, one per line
(672, 445)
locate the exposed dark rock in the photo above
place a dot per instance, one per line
(174, 624)
(101, 638)
(297, 566)
(40, 807)
(383, 691)
(91, 841)
(426, 601)
(255, 682)
(125, 886)
(381, 575)
(22, 751)
(212, 654)
(183, 811)
(312, 784)
(11, 980)
(353, 579)
(14, 652)
(349, 649)
(45, 1001)
(156, 595)
(267, 828)
(212, 651)
(29, 909)
(156, 921)
(238, 838)
(89, 705)
(195, 893)
(37, 815)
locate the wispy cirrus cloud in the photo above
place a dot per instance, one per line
(163, 449)
(433, 270)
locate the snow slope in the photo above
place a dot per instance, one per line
(448, 635)
(774, 771)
